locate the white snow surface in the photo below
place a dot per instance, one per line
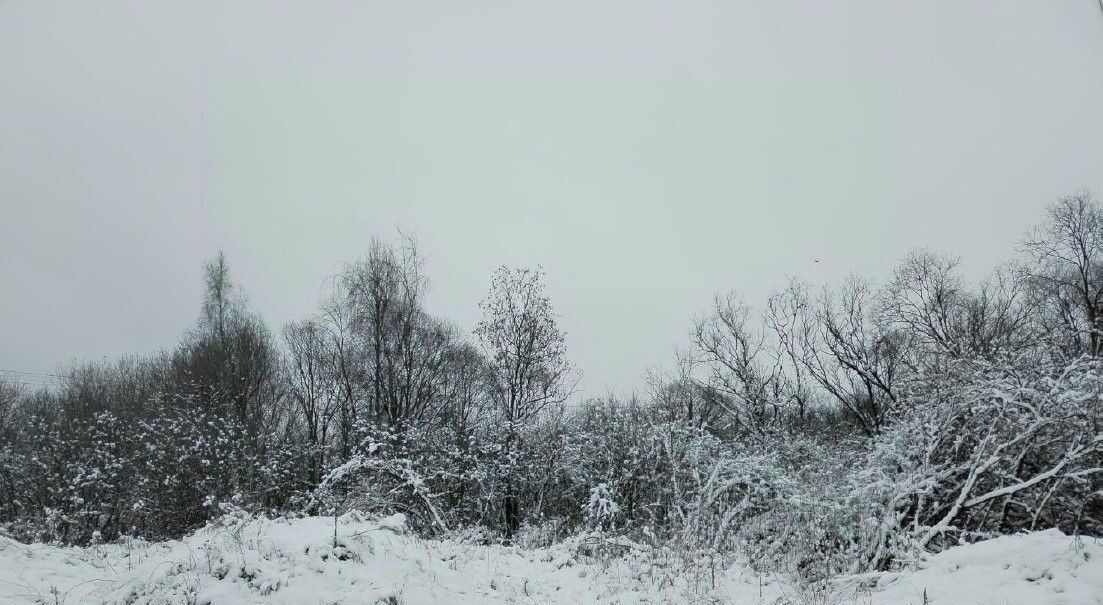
(1044, 568)
(247, 561)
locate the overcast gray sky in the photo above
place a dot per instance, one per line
(647, 154)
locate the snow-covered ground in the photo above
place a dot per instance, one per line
(243, 561)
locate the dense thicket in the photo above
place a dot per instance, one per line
(835, 430)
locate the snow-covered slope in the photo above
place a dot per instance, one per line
(254, 561)
(1045, 567)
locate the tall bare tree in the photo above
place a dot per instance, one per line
(230, 356)
(312, 387)
(928, 298)
(845, 348)
(741, 371)
(1066, 269)
(403, 350)
(789, 318)
(526, 357)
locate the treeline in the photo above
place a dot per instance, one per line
(834, 430)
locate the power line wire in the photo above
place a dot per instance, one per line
(34, 380)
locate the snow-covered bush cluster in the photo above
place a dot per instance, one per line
(833, 432)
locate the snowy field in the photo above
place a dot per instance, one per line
(298, 562)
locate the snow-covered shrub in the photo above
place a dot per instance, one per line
(72, 476)
(983, 449)
(601, 508)
(993, 448)
(155, 477)
(385, 476)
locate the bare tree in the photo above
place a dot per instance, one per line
(740, 368)
(312, 387)
(858, 360)
(927, 298)
(843, 346)
(402, 348)
(788, 316)
(1066, 269)
(463, 389)
(524, 346)
(682, 398)
(526, 358)
(219, 303)
(231, 356)
(346, 366)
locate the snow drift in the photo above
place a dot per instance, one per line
(315, 561)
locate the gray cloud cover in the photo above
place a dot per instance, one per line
(647, 154)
